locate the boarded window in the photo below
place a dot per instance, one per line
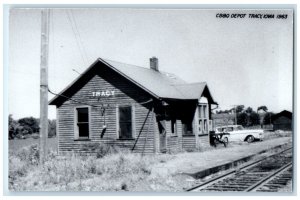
(83, 122)
(125, 122)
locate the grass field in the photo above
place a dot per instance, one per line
(17, 144)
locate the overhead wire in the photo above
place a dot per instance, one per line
(76, 39)
(78, 33)
(80, 44)
(84, 57)
(72, 20)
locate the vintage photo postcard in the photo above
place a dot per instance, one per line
(198, 101)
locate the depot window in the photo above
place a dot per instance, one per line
(125, 122)
(174, 127)
(82, 123)
(203, 118)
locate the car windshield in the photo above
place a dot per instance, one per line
(228, 129)
(219, 129)
(238, 128)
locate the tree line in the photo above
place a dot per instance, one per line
(28, 127)
(248, 117)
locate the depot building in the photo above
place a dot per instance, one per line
(139, 109)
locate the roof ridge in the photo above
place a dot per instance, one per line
(165, 73)
(194, 83)
(124, 63)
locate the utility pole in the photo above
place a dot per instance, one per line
(235, 117)
(44, 84)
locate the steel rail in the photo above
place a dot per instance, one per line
(268, 178)
(221, 177)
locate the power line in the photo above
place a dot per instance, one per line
(76, 71)
(77, 42)
(78, 33)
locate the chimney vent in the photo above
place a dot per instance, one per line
(154, 63)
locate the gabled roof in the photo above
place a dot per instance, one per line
(192, 90)
(159, 84)
(285, 113)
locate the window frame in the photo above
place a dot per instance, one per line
(174, 127)
(203, 118)
(76, 128)
(133, 131)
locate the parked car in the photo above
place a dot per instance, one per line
(238, 133)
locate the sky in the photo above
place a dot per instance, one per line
(245, 61)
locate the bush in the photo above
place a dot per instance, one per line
(268, 118)
(35, 136)
(101, 149)
(29, 154)
(123, 164)
(21, 163)
(253, 119)
(28, 126)
(17, 167)
(31, 124)
(118, 171)
(104, 150)
(242, 119)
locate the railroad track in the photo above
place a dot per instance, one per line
(265, 175)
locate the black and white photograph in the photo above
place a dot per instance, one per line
(177, 100)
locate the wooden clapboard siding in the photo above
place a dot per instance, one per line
(179, 135)
(145, 142)
(125, 93)
(203, 141)
(156, 137)
(174, 141)
(282, 123)
(188, 142)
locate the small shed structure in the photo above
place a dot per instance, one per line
(283, 121)
(141, 109)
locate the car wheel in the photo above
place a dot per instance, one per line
(250, 139)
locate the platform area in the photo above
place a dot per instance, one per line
(200, 164)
